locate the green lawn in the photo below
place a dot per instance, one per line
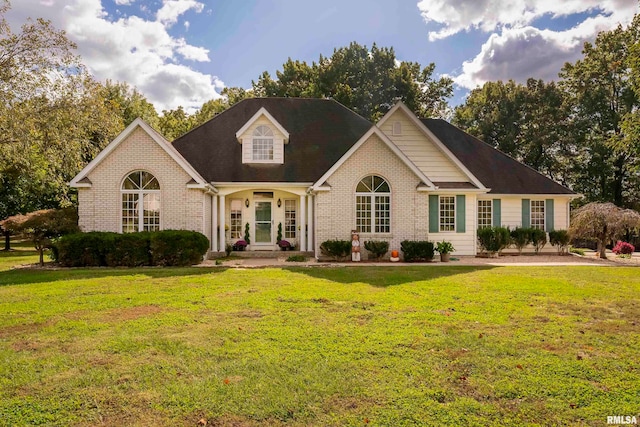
(318, 346)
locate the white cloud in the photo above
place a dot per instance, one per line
(130, 49)
(171, 10)
(124, 2)
(455, 16)
(516, 49)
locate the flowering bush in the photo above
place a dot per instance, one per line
(240, 245)
(284, 245)
(623, 248)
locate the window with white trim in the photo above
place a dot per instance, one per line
(235, 220)
(263, 143)
(290, 222)
(537, 214)
(485, 213)
(140, 193)
(373, 205)
(447, 208)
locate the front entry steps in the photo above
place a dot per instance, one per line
(261, 254)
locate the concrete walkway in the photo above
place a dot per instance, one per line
(507, 260)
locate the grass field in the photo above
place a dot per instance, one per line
(318, 346)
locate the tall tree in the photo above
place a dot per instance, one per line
(369, 81)
(528, 122)
(603, 99)
(129, 103)
(52, 117)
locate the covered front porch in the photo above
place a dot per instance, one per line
(262, 214)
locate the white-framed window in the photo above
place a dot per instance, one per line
(537, 214)
(485, 213)
(263, 143)
(447, 211)
(373, 205)
(290, 220)
(235, 220)
(140, 194)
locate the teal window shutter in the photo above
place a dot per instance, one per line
(461, 208)
(526, 213)
(497, 212)
(548, 215)
(434, 224)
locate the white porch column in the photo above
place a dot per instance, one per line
(214, 222)
(222, 219)
(310, 223)
(303, 217)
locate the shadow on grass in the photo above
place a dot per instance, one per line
(23, 276)
(386, 276)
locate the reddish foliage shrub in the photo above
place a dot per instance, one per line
(623, 248)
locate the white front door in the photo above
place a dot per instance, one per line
(263, 224)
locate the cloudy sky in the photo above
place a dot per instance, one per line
(184, 52)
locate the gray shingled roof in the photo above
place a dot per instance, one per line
(320, 132)
(496, 170)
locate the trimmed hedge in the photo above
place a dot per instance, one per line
(417, 250)
(493, 239)
(177, 247)
(377, 248)
(336, 249)
(166, 248)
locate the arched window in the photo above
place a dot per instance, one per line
(263, 143)
(373, 205)
(140, 202)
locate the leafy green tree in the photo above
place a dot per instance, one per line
(43, 226)
(528, 122)
(52, 117)
(129, 103)
(602, 222)
(605, 103)
(368, 81)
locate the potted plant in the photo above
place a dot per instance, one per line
(240, 245)
(444, 248)
(284, 245)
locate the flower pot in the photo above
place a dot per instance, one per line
(445, 257)
(394, 254)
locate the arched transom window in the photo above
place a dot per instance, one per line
(140, 202)
(263, 143)
(373, 205)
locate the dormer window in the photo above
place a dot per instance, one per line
(263, 139)
(263, 143)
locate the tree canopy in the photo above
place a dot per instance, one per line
(368, 81)
(583, 131)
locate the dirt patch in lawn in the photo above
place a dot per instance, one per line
(17, 330)
(131, 313)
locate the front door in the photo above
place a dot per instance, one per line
(263, 223)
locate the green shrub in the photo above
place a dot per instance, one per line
(417, 250)
(129, 250)
(228, 249)
(96, 249)
(336, 249)
(297, 258)
(520, 237)
(578, 251)
(84, 249)
(247, 235)
(493, 239)
(377, 248)
(538, 239)
(177, 247)
(561, 239)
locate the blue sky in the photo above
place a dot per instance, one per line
(184, 52)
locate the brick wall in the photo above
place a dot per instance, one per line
(100, 207)
(336, 208)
